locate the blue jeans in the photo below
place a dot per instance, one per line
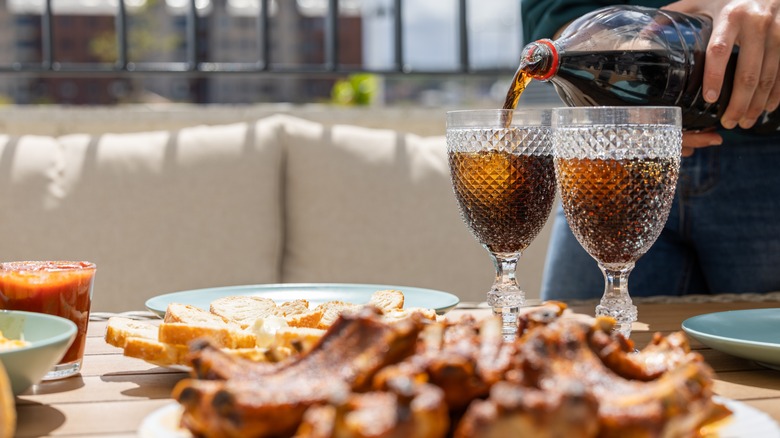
(722, 236)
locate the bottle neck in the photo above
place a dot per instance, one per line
(540, 59)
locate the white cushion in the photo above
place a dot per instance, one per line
(376, 206)
(158, 212)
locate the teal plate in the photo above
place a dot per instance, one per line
(750, 334)
(315, 293)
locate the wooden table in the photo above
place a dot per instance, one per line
(115, 393)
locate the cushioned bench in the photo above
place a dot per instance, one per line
(280, 199)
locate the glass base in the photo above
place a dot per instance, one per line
(625, 314)
(63, 370)
(508, 317)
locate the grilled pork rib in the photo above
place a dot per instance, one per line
(406, 409)
(270, 400)
(370, 378)
(562, 387)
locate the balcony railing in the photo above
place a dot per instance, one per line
(193, 66)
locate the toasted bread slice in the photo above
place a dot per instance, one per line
(244, 310)
(331, 310)
(225, 337)
(387, 300)
(294, 307)
(185, 313)
(397, 315)
(298, 339)
(310, 319)
(120, 328)
(155, 352)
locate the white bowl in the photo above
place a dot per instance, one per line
(49, 338)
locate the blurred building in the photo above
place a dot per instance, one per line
(228, 33)
(157, 34)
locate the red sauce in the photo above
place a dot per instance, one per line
(57, 288)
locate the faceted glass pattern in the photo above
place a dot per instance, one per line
(617, 185)
(504, 181)
(617, 174)
(503, 176)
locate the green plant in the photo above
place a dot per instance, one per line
(357, 89)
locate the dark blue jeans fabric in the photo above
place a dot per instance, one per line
(722, 236)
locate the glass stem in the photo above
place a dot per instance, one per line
(616, 301)
(506, 297)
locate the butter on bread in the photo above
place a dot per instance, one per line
(275, 332)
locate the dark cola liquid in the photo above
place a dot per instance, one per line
(634, 56)
(641, 78)
(615, 207)
(519, 83)
(504, 198)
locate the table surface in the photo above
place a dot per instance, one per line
(114, 393)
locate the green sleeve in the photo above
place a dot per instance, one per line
(543, 18)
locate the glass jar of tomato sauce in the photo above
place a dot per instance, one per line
(61, 288)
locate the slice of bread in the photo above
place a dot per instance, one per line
(185, 313)
(298, 339)
(183, 333)
(331, 310)
(387, 300)
(155, 352)
(310, 318)
(294, 307)
(244, 310)
(400, 314)
(120, 328)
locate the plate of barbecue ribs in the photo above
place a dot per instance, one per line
(315, 293)
(457, 377)
(747, 422)
(749, 334)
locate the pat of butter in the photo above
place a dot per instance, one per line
(265, 330)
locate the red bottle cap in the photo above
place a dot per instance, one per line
(554, 67)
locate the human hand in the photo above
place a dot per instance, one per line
(754, 26)
(692, 140)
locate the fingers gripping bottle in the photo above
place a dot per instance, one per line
(633, 55)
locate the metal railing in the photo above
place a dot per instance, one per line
(193, 66)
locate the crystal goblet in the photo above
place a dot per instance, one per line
(503, 177)
(617, 170)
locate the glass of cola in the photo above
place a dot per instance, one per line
(501, 165)
(617, 169)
